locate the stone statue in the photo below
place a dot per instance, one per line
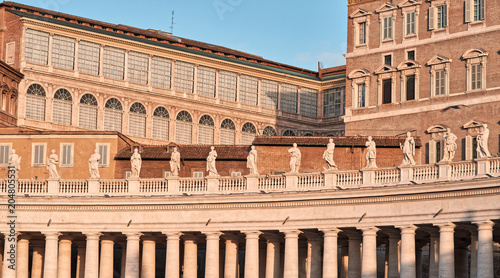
(15, 160)
(371, 153)
(450, 146)
(328, 155)
(175, 163)
(136, 162)
(94, 165)
(295, 157)
(252, 161)
(212, 171)
(482, 142)
(52, 162)
(408, 150)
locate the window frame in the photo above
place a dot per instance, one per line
(8, 154)
(439, 63)
(61, 156)
(474, 58)
(101, 161)
(33, 155)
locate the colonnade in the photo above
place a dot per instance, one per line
(291, 253)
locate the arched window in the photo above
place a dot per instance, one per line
(184, 128)
(62, 107)
(206, 130)
(288, 133)
(113, 115)
(227, 132)
(248, 133)
(35, 103)
(137, 120)
(269, 131)
(160, 123)
(88, 112)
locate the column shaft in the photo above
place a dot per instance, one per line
(252, 254)
(64, 265)
(92, 255)
(37, 263)
(369, 260)
(231, 258)
(273, 258)
(393, 263)
(344, 260)
(22, 265)
(148, 269)
(473, 254)
(80, 261)
(354, 261)
(212, 255)
(51, 250)
(107, 250)
(408, 269)
(314, 256)
(173, 258)
(132, 257)
(291, 268)
(190, 258)
(485, 249)
(330, 262)
(434, 256)
(446, 251)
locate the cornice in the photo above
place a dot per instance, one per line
(355, 2)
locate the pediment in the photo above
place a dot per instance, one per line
(385, 69)
(357, 73)
(473, 124)
(408, 64)
(436, 129)
(171, 146)
(359, 13)
(409, 3)
(438, 59)
(386, 7)
(474, 53)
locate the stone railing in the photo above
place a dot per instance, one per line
(328, 180)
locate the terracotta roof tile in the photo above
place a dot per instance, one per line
(381, 141)
(188, 152)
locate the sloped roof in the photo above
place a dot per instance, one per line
(188, 152)
(348, 141)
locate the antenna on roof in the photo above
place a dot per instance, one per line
(172, 24)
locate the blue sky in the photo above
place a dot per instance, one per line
(295, 32)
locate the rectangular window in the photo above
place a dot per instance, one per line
(66, 154)
(269, 94)
(476, 76)
(410, 55)
(161, 72)
(410, 87)
(289, 97)
(89, 55)
(478, 10)
(184, 77)
(63, 52)
(235, 174)
(104, 152)
(362, 33)
(387, 28)
(4, 154)
(439, 150)
(474, 147)
(387, 91)
(411, 23)
(206, 81)
(309, 102)
(442, 16)
(37, 47)
(388, 60)
(114, 63)
(197, 174)
(332, 102)
(227, 85)
(249, 87)
(361, 95)
(38, 154)
(138, 67)
(440, 82)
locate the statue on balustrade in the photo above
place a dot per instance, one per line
(482, 142)
(408, 148)
(450, 146)
(136, 162)
(295, 157)
(371, 153)
(175, 163)
(212, 171)
(52, 162)
(94, 165)
(252, 161)
(328, 155)
(15, 160)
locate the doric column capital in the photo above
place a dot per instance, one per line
(484, 225)
(133, 236)
(252, 234)
(369, 231)
(191, 238)
(331, 232)
(446, 227)
(92, 235)
(51, 235)
(173, 235)
(291, 233)
(213, 235)
(272, 238)
(407, 229)
(353, 234)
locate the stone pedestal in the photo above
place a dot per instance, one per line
(368, 177)
(93, 185)
(330, 179)
(252, 183)
(292, 180)
(406, 174)
(173, 185)
(483, 166)
(444, 171)
(53, 186)
(133, 185)
(212, 184)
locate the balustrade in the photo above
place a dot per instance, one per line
(192, 185)
(73, 186)
(153, 186)
(349, 178)
(232, 184)
(310, 180)
(425, 173)
(272, 183)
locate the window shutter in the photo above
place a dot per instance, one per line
(467, 11)
(430, 17)
(468, 148)
(445, 15)
(4, 154)
(483, 15)
(103, 151)
(432, 151)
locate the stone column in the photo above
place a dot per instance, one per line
(22, 264)
(485, 249)
(446, 250)
(107, 254)
(291, 268)
(418, 260)
(148, 269)
(314, 256)
(80, 260)
(273, 258)
(132, 259)
(344, 259)
(393, 263)
(354, 263)
(92, 255)
(173, 255)
(51, 246)
(190, 257)
(64, 264)
(231, 258)
(434, 255)
(408, 269)
(37, 263)
(212, 255)
(252, 254)
(369, 260)
(473, 253)
(330, 261)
